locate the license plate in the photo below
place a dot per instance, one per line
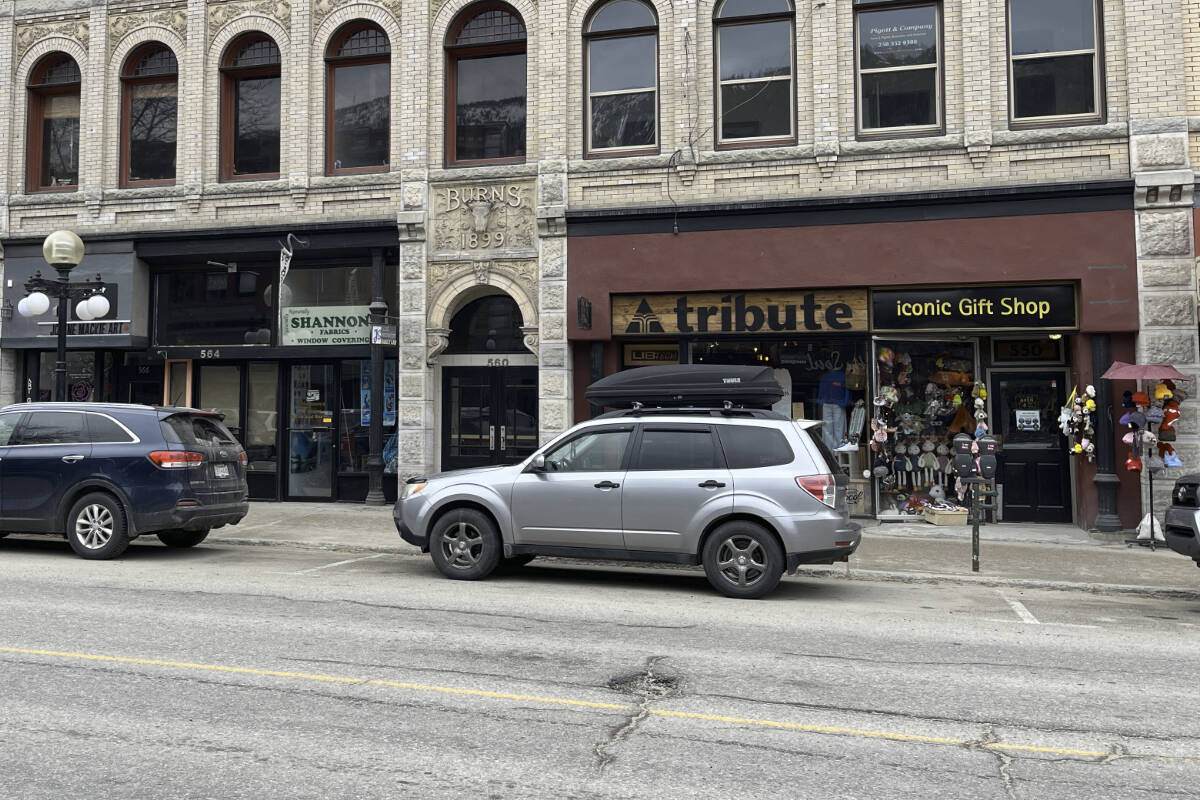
(221, 470)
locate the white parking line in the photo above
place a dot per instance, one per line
(337, 564)
(1021, 611)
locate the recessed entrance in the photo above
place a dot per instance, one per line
(1034, 468)
(489, 399)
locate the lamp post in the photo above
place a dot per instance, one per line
(378, 309)
(63, 250)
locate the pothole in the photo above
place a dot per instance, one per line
(647, 685)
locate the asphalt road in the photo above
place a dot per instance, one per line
(243, 672)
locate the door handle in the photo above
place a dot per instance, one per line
(72, 459)
(710, 484)
(491, 437)
(503, 438)
(607, 485)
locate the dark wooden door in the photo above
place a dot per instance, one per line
(1034, 465)
(489, 415)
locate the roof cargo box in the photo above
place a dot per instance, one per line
(687, 385)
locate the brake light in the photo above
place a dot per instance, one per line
(242, 458)
(821, 487)
(176, 459)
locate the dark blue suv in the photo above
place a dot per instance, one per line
(102, 474)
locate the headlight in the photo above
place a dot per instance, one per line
(411, 489)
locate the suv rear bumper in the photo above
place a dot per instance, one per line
(191, 518)
(1182, 530)
(794, 560)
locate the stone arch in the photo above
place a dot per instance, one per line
(249, 23)
(436, 86)
(450, 298)
(112, 89)
(20, 100)
(316, 65)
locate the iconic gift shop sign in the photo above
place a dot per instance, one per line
(825, 311)
(307, 325)
(1050, 307)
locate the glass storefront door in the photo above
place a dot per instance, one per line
(310, 439)
(490, 413)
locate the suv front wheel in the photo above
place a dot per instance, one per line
(743, 560)
(465, 545)
(96, 527)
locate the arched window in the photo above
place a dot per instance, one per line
(485, 85)
(491, 324)
(621, 42)
(150, 110)
(357, 99)
(52, 157)
(250, 103)
(755, 89)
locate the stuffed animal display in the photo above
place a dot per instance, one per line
(1077, 421)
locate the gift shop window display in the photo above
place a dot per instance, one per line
(926, 392)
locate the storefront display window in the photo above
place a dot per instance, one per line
(211, 307)
(81, 376)
(925, 393)
(354, 444)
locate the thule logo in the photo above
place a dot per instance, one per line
(731, 380)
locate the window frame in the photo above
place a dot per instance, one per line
(455, 53)
(332, 63)
(36, 91)
(939, 83)
(1096, 117)
(19, 432)
(626, 454)
(230, 75)
(635, 453)
(126, 160)
(742, 142)
(588, 38)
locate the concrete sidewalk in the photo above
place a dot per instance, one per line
(1033, 556)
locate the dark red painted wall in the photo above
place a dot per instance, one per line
(1094, 248)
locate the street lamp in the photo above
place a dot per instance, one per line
(63, 250)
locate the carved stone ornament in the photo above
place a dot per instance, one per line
(323, 8)
(28, 35)
(474, 217)
(530, 333)
(436, 340)
(523, 272)
(174, 19)
(220, 14)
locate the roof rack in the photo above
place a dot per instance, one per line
(751, 413)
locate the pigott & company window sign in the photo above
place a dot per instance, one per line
(819, 311)
(323, 325)
(1042, 307)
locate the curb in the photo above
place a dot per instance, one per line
(847, 573)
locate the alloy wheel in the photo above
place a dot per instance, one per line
(462, 546)
(94, 526)
(741, 560)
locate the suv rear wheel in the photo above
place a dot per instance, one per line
(742, 559)
(96, 527)
(181, 538)
(465, 545)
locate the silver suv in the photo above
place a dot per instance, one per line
(747, 493)
(1183, 518)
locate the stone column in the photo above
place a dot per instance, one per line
(550, 343)
(297, 146)
(977, 80)
(1163, 182)
(826, 109)
(9, 391)
(416, 414)
(94, 111)
(193, 63)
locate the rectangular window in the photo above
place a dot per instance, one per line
(256, 126)
(207, 308)
(361, 115)
(754, 100)
(899, 69)
(152, 112)
(622, 74)
(676, 450)
(1055, 67)
(54, 427)
(489, 111)
(60, 140)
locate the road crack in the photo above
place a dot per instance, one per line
(645, 685)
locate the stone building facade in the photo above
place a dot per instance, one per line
(444, 216)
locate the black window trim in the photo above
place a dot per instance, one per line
(729, 427)
(721, 464)
(20, 415)
(20, 429)
(134, 438)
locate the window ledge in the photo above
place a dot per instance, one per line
(41, 197)
(524, 169)
(618, 163)
(1063, 133)
(240, 187)
(139, 192)
(352, 179)
(902, 144)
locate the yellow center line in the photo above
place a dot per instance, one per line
(449, 690)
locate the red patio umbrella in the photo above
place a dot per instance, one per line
(1120, 371)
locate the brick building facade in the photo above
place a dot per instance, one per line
(452, 230)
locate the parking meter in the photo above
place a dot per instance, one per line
(987, 456)
(964, 462)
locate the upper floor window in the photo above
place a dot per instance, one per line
(1055, 68)
(150, 110)
(52, 157)
(899, 61)
(358, 100)
(485, 85)
(621, 40)
(755, 94)
(250, 106)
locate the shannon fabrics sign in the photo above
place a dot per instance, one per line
(739, 312)
(1043, 307)
(307, 325)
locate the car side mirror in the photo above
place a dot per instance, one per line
(538, 464)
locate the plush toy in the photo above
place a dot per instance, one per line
(981, 429)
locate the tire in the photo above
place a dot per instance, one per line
(182, 538)
(96, 527)
(514, 563)
(743, 560)
(465, 545)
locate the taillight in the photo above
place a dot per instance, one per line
(242, 458)
(176, 459)
(821, 487)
